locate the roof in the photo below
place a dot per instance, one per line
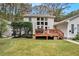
(66, 20)
(56, 23)
(38, 15)
(71, 18)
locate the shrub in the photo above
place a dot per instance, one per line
(26, 27)
(76, 37)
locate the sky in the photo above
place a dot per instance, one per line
(73, 7)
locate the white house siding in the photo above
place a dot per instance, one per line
(50, 23)
(34, 20)
(74, 21)
(63, 28)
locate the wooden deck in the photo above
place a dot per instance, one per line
(55, 33)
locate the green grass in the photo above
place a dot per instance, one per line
(28, 47)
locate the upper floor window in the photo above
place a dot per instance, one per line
(29, 18)
(45, 19)
(38, 19)
(42, 19)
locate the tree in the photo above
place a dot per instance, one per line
(19, 26)
(56, 9)
(3, 26)
(10, 11)
(71, 14)
(13, 12)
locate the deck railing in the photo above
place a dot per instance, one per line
(49, 32)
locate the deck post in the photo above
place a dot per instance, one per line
(46, 37)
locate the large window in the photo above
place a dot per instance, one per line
(72, 28)
(42, 22)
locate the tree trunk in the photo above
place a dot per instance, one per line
(0, 34)
(20, 32)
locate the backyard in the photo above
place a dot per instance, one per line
(29, 47)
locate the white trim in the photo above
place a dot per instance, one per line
(66, 20)
(39, 15)
(72, 41)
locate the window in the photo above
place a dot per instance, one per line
(72, 28)
(29, 18)
(38, 23)
(46, 23)
(78, 28)
(45, 19)
(42, 23)
(45, 28)
(38, 19)
(42, 19)
(42, 27)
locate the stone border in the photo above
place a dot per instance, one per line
(72, 41)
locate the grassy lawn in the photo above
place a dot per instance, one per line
(28, 47)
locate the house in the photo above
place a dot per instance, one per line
(70, 26)
(40, 21)
(67, 28)
(37, 20)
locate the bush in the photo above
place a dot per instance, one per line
(19, 27)
(76, 37)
